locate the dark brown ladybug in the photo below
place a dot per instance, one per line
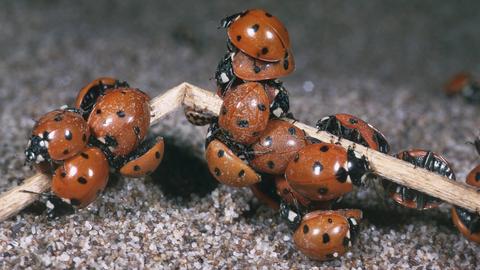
(58, 135)
(81, 178)
(326, 235)
(145, 159)
(423, 159)
(227, 168)
(251, 69)
(245, 112)
(120, 119)
(325, 171)
(354, 129)
(276, 147)
(88, 95)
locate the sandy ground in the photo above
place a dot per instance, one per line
(382, 61)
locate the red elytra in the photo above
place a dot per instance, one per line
(81, 178)
(260, 35)
(245, 112)
(250, 69)
(121, 119)
(145, 159)
(457, 83)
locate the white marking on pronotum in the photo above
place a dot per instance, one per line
(278, 112)
(40, 158)
(50, 205)
(354, 221)
(292, 215)
(42, 143)
(101, 139)
(335, 254)
(224, 77)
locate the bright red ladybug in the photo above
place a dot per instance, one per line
(258, 34)
(88, 95)
(325, 171)
(245, 112)
(120, 119)
(227, 168)
(468, 223)
(276, 147)
(354, 129)
(58, 135)
(424, 159)
(81, 178)
(145, 159)
(327, 235)
(250, 69)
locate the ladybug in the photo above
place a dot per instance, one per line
(468, 223)
(227, 168)
(258, 34)
(81, 178)
(145, 159)
(120, 119)
(251, 69)
(424, 159)
(56, 136)
(245, 112)
(277, 146)
(279, 99)
(463, 83)
(88, 95)
(354, 129)
(326, 235)
(325, 171)
(224, 76)
(291, 197)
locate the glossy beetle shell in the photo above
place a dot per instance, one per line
(319, 172)
(251, 69)
(121, 119)
(82, 177)
(260, 35)
(63, 133)
(277, 146)
(245, 112)
(227, 168)
(145, 159)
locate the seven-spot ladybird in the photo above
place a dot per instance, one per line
(355, 129)
(423, 159)
(326, 235)
(145, 159)
(325, 171)
(227, 168)
(88, 95)
(120, 119)
(258, 34)
(251, 69)
(81, 178)
(245, 112)
(276, 147)
(58, 135)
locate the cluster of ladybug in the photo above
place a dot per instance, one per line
(103, 132)
(249, 144)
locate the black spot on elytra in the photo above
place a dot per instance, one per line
(136, 168)
(65, 151)
(264, 50)
(220, 153)
(325, 238)
(268, 14)
(224, 110)
(239, 38)
(286, 191)
(82, 180)
(341, 175)
(255, 133)
(84, 155)
(255, 27)
(68, 135)
(324, 148)
(477, 176)
(322, 190)
(285, 64)
(63, 174)
(99, 111)
(305, 229)
(329, 220)
(271, 164)
(261, 107)
(345, 242)
(217, 171)
(242, 123)
(158, 155)
(74, 202)
(121, 114)
(58, 117)
(353, 121)
(296, 158)
(256, 69)
(317, 167)
(241, 173)
(292, 131)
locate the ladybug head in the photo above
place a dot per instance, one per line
(227, 21)
(358, 167)
(224, 75)
(37, 149)
(291, 215)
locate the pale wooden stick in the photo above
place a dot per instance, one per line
(383, 165)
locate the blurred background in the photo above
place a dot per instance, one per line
(385, 61)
